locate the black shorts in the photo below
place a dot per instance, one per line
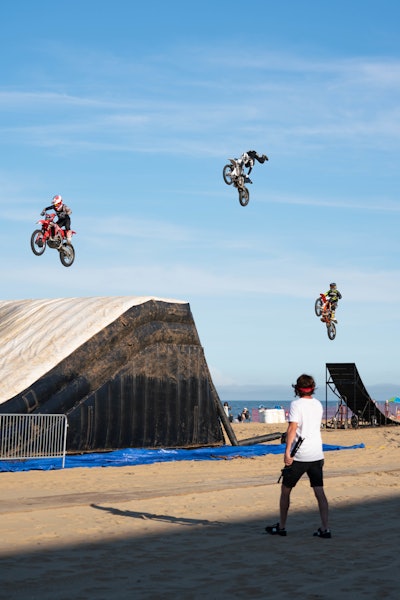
(292, 474)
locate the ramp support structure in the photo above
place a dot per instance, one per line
(344, 381)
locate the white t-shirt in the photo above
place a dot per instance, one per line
(307, 413)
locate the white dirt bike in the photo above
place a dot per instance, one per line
(234, 174)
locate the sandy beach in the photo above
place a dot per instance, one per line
(194, 529)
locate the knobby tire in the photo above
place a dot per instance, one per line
(227, 174)
(318, 307)
(37, 250)
(67, 255)
(331, 330)
(244, 196)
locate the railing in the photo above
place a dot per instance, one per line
(33, 436)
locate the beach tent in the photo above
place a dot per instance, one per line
(395, 399)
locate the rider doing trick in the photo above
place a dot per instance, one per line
(234, 173)
(247, 160)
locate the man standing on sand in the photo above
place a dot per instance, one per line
(305, 418)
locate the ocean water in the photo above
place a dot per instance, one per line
(237, 407)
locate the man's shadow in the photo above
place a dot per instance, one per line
(143, 515)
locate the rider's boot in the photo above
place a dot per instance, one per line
(333, 317)
(69, 237)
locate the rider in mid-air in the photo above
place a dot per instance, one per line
(247, 160)
(334, 296)
(63, 213)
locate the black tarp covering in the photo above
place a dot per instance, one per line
(142, 381)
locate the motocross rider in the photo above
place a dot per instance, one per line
(334, 296)
(63, 215)
(247, 160)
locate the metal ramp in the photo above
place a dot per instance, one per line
(345, 382)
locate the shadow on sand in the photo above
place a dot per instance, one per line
(234, 559)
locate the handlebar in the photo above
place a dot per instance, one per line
(47, 215)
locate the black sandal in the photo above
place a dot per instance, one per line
(275, 530)
(323, 534)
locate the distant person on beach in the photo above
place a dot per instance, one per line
(387, 411)
(305, 416)
(244, 415)
(227, 410)
(334, 296)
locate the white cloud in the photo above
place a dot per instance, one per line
(294, 101)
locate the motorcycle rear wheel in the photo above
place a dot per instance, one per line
(318, 307)
(38, 244)
(244, 196)
(331, 330)
(227, 174)
(67, 255)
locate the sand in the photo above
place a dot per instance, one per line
(191, 530)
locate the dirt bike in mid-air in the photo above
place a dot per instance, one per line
(323, 309)
(53, 236)
(234, 174)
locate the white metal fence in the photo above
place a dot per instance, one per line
(33, 436)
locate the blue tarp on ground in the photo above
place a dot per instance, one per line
(138, 456)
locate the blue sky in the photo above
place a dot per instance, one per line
(130, 110)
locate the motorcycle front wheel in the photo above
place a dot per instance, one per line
(244, 196)
(38, 244)
(67, 254)
(318, 307)
(227, 174)
(331, 330)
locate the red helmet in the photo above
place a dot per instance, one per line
(57, 202)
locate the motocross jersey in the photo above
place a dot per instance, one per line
(333, 295)
(63, 209)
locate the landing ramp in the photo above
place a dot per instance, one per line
(128, 372)
(345, 381)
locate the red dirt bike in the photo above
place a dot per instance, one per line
(53, 236)
(323, 309)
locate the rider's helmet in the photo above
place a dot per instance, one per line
(332, 286)
(57, 202)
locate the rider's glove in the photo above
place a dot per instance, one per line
(42, 213)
